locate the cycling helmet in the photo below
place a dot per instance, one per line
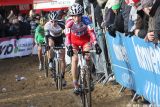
(42, 21)
(53, 15)
(76, 9)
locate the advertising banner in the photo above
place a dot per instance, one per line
(119, 59)
(136, 65)
(16, 47)
(52, 4)
(145, 61)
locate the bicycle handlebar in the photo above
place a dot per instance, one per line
(57, 47)
(43, 44)
(85, 52)
(80, 51)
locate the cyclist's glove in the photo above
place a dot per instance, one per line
(70, 51)
(98, 49)
(47, 47)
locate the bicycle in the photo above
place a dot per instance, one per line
(56, 70)
(84, 78)
(45, 59)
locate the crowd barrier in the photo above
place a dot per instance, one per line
(13, 47)
(16, 47)
(136, 65)
(100, 61)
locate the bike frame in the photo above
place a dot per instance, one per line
(84, 78)
(57, 61)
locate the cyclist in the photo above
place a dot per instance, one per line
(79, 32)
(53, 33)
(40, 39)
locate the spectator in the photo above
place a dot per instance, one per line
(109, 15)
(33, 24)
(2, 26)
(32, 14)
(6, 27)
(116, 24)
(132, 16)
(125, 8)
(24, 26)
(15, 28)
(152, 8)
(141, 24)
(11, 16)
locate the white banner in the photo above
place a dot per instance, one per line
(53, 4)
(16, 47)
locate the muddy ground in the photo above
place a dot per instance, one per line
(38, 91)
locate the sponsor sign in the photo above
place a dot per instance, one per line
(136, 65)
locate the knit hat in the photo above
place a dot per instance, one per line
(115, 7)
(146, 3)
(115, 4)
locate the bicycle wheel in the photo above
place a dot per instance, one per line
(88, 88)
(46, 65)
(85, 81)
(81, 82)
(58, 79)
(59, 76)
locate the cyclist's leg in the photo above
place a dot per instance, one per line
(87, 47)
(50, 52)
(63, 64)
(58, 43)
(40, 56)
(74, 72)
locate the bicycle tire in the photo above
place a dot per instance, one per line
(82, 82)
(86, 89)
(46, 65)
(58, 79)
(88, 85)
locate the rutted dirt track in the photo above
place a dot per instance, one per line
(38, 91)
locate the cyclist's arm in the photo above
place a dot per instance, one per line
(47, 34)
(68, 36)
(69, 23)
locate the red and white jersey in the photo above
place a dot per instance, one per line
(79, 33)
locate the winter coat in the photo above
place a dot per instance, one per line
(125, 13)
(142, 24)
(154, 23)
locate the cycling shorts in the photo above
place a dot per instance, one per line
(84, 46)
(58, 41)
